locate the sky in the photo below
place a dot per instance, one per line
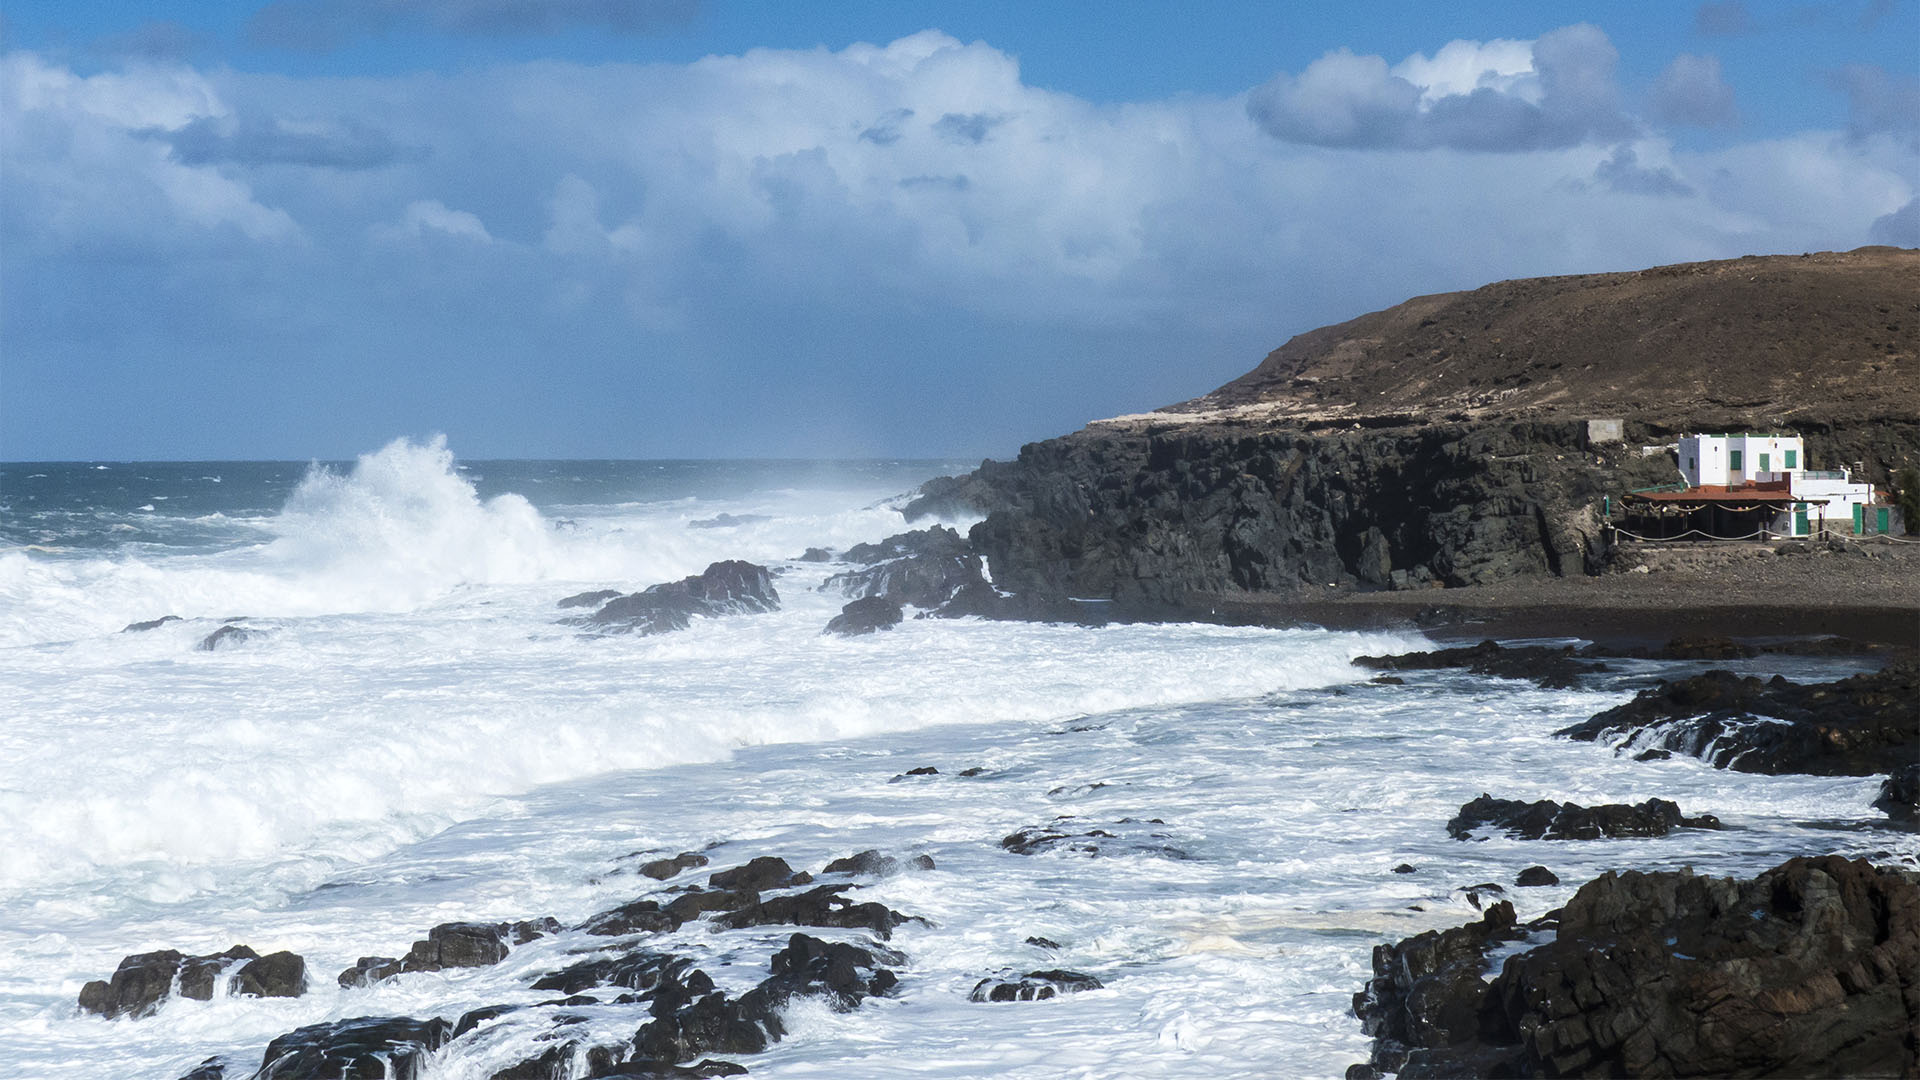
(693, 228)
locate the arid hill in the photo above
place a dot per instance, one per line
(1774, 337)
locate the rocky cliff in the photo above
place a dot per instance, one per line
(1323, 467)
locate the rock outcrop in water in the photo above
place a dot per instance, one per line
(143, 982)
(1553, 668)
(924, 568)
(1550, 820)
(1809, 969)
(1854, 727)
(867, 615)
(724, 588)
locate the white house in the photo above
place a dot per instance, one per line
(1732, 460)
(1772, 469)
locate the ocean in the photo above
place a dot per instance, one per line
(409, 735)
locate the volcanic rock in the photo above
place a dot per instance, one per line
(924, 568)
(150, 624)
(392, 1047)
(765, 872)
(1549, 820)
(1854, 727)
(1534, 877)
(589, 599)
(1555, 669)
(724, 588)
(866, 615)
(1808, 969)
(143, 981)
(1082, 837)
(1033, 986)
(822, 906)
(662, 869)
(1899, 795)
(226, 637)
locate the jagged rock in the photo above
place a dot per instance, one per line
(664, 1070)
(635, 969)
(369, 970)
(1043, 943)
(1854, 727)
(765, 872)
(553, 1063)
(1082, 837)
(845, 974)
(1549, 820)
(390, 1047)
(871, 863)
(226, 637)
(1033, 986)
(1477, 895)
(1555, 669)
(918, 770)
(142, 982)
(1806, 970)
(589, 599)
(924, 568)
(814, 554)
(662, 869)
(1426, 991)
(473, 1018)
(691, 905)
(822, 906)
(1899, 796)
(1534, 877)
(214, 1068)
(865, 616)
(467, 944)
(637, 917)
(150, 624)
(724, 588)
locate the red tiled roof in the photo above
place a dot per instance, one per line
(1770, 491)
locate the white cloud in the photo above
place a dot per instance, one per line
(425, 216)
(1691, 92)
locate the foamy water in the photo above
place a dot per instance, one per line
(412, 738)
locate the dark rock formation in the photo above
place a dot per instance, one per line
(765, 872)
(1899, 796)
(728, 521)
(634, 969)
(724, 588)
(637, 917)
(1082, 837)
(589, 599)
(866, 615)
(662, 869)
(1534, 877)
(214, 1068)
(369, 970)
(814, 554)
(1549, 820)
(1854, 727)
(1033, 986)
(1555, 669)
(467, 944)
(924, 568)
(150, 624)
(226, 638)
(143, 981)
(842, 973)
(918, 770)
(822, 906)
(1810, 969)
(392, 1047)
(871, 863)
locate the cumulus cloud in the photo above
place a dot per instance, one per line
(335, 144)
(322, 25)
(1467, 96)
(426, 217)
(1880, 103)
(1691, 93)
(1623, 172)
(1900, 228)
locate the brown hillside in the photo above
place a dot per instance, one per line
(1776, 337)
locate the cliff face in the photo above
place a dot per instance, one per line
(1298, 489)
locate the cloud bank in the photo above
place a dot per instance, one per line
(878, 249)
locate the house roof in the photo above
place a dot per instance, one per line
(1773, 491)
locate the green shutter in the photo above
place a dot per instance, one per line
(1859, 519)
(1886, 525)
(1764, 467)
(1733, 460)
(1791, 455)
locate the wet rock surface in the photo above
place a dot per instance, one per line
(392, 1047)
(1550, 820)
(662, 869)
(866, 615)
(924, 568)
(1899, 796)
(871, 863)
(1033, 986)
(1854, 727)
(732, 587)
(227, 637)
(149, 624)
(1082, 837)
(592, 599)
(1809, 969)
(1554, 669)
(143, 981)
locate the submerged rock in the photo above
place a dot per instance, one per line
(1854, 727)
(662, 869)
(1805, 970)
(390, 1047)
(1899, 796)
(150, 624)
(143, 981)
(591, 599)
(1555, 669)
(226, 638)
(822, 906)
(1550, 820)
(871, 863)
(1081, 837)
(724, 588)
(1033, 986)
(924, 568)
(865, 616)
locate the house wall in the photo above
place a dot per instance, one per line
(1709, 459)
(1841, 495)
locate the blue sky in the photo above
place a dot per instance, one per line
(661, 228)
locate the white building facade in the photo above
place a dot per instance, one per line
(1829, 496)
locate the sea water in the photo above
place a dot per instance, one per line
(410, 735)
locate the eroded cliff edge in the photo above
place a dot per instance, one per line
(1284, 483)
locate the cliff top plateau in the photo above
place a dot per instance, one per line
(1780, 338)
